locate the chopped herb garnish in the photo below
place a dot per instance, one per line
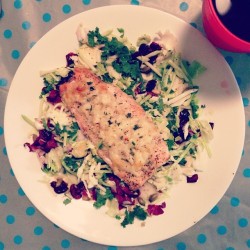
(118, 217)
(136, 127)
(98, 159)
(71, 131)
(107, 78)
(100, 145)
(145, 107)
(194, 69)
(95, 38)
(121, 31)
(102, 198)
(160, 106)
(71, 164)
(66, 201)
(192, 151)
(183, 162)
(138, 212)
(124, 63)
(128, 115)
(195, 108)
(170, 144)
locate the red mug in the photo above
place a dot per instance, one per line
(218, 34)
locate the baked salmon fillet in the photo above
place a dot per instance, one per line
(124, 136)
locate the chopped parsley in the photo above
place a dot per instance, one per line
(102, 198)
(128, 115)
(130, 89)
(193, 69)
(100, 145)
(124, 63)
(71, 164)
(47, 87)
(95, 38)
(71, 131)
(107, 78)
(170, 144)
(195, 108)
(121, 31)
(138, 212)
(136, 127)
(66, 201)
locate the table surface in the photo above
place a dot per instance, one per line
(22, 226)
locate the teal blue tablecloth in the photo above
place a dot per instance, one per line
(22, 226)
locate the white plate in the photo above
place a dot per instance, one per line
(188, 203)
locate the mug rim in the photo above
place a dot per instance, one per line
(232, 35)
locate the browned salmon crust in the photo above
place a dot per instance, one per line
(125, 137)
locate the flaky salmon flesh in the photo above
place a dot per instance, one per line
(125, 137)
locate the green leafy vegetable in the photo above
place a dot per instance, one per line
(102, 198)
(195, 108)
(71, 131)
(194, 69)
(71, 164)
(66, 201)
(138, 212)
(95, 38)
(121, 31)
(124, 63)
(48, 86)
(107, 78)
(170, 144)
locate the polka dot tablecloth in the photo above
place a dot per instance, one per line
(22, 226)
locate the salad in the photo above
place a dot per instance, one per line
(162, 83)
